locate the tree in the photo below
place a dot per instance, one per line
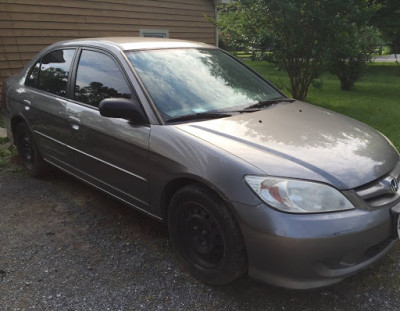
(348, 60)
(355, 42)
(300, 34)
(387, 19)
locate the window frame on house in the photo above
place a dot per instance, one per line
(154, 33)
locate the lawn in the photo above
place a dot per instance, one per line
(375, 99)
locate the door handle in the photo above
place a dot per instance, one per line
(27, 104)
(75, 123)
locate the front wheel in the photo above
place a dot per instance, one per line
(206, 236)
(28, 151)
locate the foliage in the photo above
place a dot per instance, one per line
(233, 34)
(300, 34)
(387, 19)
(354, 44)
(348, 60)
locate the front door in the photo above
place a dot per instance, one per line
(112, 154)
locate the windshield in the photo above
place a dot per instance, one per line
(191, 81)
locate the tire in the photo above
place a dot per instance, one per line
(206, 236)
(28, 152)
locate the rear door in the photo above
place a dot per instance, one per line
(44, 102)
(112, 154)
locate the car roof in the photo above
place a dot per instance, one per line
(134, 43)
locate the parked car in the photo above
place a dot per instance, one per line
(246, 179)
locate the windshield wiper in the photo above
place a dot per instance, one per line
(200, 115)
(268, 102)
(222, 114)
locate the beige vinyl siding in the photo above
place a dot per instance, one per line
(27, 26)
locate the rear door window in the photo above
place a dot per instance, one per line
(99, 77)
(54, 71)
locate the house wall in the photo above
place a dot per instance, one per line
(27, 26)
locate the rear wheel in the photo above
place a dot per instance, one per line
(206, 236)
(28, 151)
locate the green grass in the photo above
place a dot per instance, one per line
(385, 50)
(374, 101)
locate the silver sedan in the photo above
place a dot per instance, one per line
(246, 179)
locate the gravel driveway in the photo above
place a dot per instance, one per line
(67, 246)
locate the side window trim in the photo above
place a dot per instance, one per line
(74, 74)
(74, 70)
(39, 61)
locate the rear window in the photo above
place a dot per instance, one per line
(54, 72)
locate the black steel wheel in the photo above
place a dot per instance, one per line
(28, 152)
(206, 236)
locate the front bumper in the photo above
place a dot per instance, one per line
(308, 251)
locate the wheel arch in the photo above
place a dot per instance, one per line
(174, 185)
(221, 217)
(16, 120)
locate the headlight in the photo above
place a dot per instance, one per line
(298, 196)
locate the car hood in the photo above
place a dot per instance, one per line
(304, 141)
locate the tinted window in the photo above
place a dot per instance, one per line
(98, 78)
(31, 79)
(54, 71)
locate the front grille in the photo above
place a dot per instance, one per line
(379, 192)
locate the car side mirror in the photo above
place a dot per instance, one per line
(122, 108)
